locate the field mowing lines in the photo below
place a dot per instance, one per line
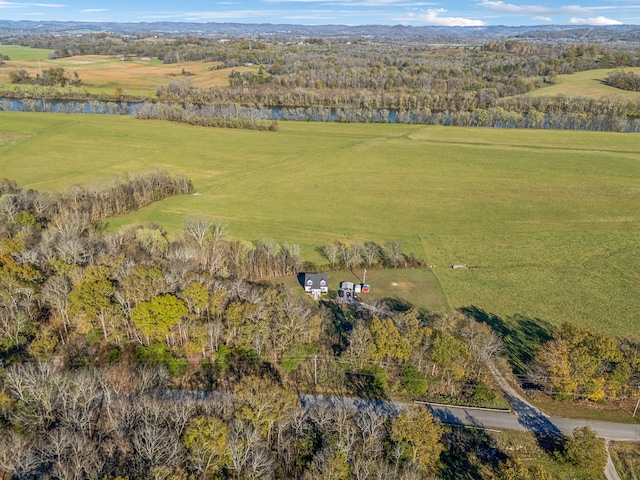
(598, 258)
(279, 165)
(10, 138)
(20, 139)
(252, 173)
(591, 148)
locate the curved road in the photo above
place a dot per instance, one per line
(525, 417)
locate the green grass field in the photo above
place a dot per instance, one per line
(585, 84)
(548, 221)
(19, 53)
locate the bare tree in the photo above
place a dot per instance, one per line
(18, 457)
(197, 229)
(249, 455)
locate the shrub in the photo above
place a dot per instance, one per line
(586, 451)
(413, 380)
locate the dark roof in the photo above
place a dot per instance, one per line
(314, 280)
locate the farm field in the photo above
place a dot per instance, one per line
(18, 53)
(585, 84)
(104, 74)
(547, 221)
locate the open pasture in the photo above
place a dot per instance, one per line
(590, 84)
(18, 53)
(547, 221)
(104, 74)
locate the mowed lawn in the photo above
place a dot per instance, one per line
(547, 221)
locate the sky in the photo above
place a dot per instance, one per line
(343, 12)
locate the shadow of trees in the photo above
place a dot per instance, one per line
(522, 336)
(468, 454)
(396, 304)
(370, 385)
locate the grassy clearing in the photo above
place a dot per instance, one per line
(585, 84)
(415, 288)
(19, 53)
(548, 221)
(103, 74)
(585, 410)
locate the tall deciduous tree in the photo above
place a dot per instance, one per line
(419, 434)
(156, 318)
(264, 404)
(206, 440)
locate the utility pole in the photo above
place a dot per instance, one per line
(636, 409)
(315, 369)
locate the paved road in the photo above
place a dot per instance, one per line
(525, 418)
(535, 423)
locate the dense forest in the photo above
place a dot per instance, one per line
(133, 354)
(360, 80)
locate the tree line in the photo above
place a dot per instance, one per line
(54, 76)
(624, 80)
(210, 115)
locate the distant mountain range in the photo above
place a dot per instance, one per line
(583, 34)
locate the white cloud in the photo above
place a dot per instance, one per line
(594, 21)
(511, 9)
(538, 18)
(4, 4)
(93, 10)
(432, 17)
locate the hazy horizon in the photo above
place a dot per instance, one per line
(337, 12)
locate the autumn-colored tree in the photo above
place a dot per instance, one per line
(387, 340)
(450, 353)
(514, 469)
(206, 440)
(263, 403)
(196, 297)
(156, 318)
(418, 434)
(359, 351)
(92, 302)
(240, 318)
(329, 465)
(554, 358)
(579, 361)
(140, 284)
